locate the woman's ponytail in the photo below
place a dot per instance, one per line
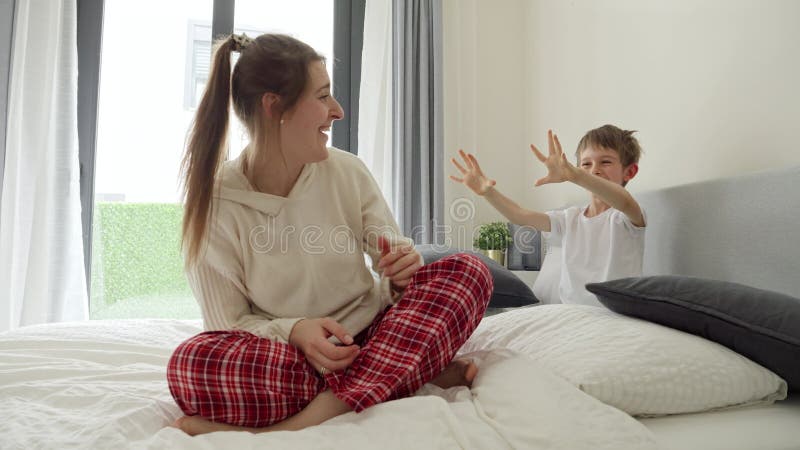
(206, 150)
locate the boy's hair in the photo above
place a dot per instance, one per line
(612, 138)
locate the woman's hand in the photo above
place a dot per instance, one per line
(311, 337)
(473, 176)
(398, 264)
(558, 167)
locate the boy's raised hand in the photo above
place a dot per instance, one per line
(472, 175)
(559, 168)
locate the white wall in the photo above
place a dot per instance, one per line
(484, 88)
(711, 85)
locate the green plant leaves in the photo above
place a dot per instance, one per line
(493, 236)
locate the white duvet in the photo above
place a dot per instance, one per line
(101, 385)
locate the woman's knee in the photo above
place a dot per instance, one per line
(206, 369)
(205, 344)
(470, 272)
(474, 269)
(198, 358)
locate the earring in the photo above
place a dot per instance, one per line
(282, 121)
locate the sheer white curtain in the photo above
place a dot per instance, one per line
(375, 97)
(41, 262)
(400, 111)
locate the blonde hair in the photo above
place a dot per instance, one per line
(613, 138)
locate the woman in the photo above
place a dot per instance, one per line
(298, 329)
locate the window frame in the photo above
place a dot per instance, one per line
(348, 28)
(348, 41)
(89, 39)
(194, 35)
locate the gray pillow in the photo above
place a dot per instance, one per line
(761, 325)
(509, 290)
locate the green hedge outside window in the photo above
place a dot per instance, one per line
(137, 268)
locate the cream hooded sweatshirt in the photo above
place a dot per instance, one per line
(271, 261)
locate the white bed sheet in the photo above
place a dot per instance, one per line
(762, 427)
(102, 385)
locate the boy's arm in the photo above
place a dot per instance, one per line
(472, 176)
(559, 169)
(615, 195)
(515, 213)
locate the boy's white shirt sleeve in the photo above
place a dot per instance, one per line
(630, 226)
(558, 223)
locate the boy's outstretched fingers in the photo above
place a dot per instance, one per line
(474, 161)
(558, 144)
(460, 167)
(554, 144)
(538, 154)
(471, 174)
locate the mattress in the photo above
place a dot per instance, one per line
(101, 384)
(772, 427)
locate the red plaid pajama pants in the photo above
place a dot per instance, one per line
(237, 378)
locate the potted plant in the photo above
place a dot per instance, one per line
(492, 240)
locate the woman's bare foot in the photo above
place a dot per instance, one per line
(194, 425)
(323, 407)
(460, 372)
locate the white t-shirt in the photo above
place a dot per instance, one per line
(585, 250)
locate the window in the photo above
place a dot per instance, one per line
(198, 63)
(198, 60)
(136, 267)
(148, 90)
(311, 21)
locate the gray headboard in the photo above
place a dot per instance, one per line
(744, 229)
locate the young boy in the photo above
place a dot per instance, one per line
(601, 241)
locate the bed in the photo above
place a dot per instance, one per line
(741, 229)
(551, 376)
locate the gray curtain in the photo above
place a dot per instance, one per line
(348, 40)
(417, 130)
(6, 38)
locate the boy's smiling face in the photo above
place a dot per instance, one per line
(605, 163)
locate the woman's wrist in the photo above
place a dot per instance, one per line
(292, 332)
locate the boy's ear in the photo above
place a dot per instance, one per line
(269, 105)
(630, 172)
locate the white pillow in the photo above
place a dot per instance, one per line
(563, 417)
(640, 367)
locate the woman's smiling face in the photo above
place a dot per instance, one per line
(305, 127)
